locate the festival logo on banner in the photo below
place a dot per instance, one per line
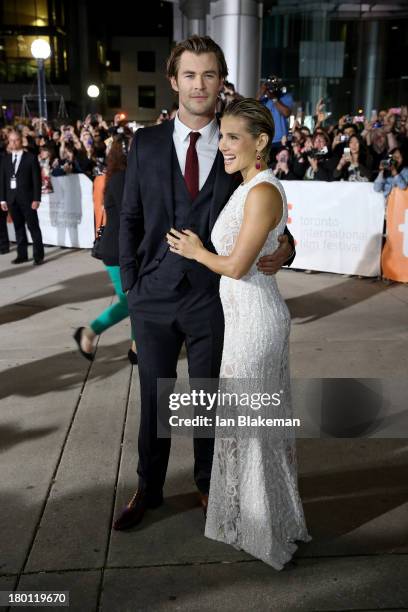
(337, 226)
(289, 221)
(395, 253)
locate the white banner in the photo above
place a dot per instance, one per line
(337, 226)
(66, 216)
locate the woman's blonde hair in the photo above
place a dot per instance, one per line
(258, 119)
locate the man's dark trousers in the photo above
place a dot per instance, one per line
(162, 321)
(22, 213)
(4, 238)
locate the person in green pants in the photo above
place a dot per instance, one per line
(115, 180)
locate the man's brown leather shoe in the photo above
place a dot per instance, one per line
(204, 503)
(133, 513)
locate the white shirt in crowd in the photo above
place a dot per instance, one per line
(207, 146)
(17, 155)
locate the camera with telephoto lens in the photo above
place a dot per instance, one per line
(388, 163)
(274, 86)
(317, 153)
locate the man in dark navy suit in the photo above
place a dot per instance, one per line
(176, 178)
(4, 238)
(20, 194)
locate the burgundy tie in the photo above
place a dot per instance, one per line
(191, 175)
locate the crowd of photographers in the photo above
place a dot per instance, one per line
(64, 149)
(355, 148)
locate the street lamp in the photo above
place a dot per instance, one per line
(93, 91)
(41, 51)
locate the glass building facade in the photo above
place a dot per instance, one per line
(21, 22)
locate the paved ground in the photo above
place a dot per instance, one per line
(68, 459)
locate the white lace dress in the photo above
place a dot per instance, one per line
(254, 502)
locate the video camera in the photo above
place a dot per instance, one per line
(274, 86)
(388, 163)
(317, 153)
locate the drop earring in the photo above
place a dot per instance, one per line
(258, 159)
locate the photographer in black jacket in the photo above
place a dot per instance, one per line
(320, 158)
(282, 167)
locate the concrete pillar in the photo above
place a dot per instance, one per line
(236, 25)
(179, 23)
(195, 12)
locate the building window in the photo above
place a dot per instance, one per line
(114, 96)
(146, 61)
(22, 21)
(17, 63)
(24, 13)
(113, 61)
(147, 96)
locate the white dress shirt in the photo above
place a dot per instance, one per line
(17, 155)
(207, 146)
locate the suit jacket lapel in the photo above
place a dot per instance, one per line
(10, 162)
(224, 183)
(21, 162)
(166, 174)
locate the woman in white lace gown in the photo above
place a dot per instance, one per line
(254, 502)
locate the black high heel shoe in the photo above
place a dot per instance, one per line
(77, 337)
(132, 356)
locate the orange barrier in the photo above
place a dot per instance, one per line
(98, 193)
(394, 258)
